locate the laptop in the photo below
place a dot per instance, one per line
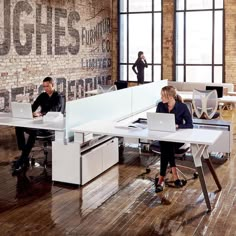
(21, 110)
(161, 122)
(219, 90)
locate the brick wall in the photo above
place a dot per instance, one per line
(230, 41)
(168, 27)
(68, 40)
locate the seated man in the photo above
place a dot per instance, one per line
(50, 100)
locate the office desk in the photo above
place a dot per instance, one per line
(7, 120)
(91, 92)
(199, 139)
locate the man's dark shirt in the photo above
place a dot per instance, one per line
(48, 103)
(182, 115)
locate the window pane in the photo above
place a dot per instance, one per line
(218, 76)
(157, 73)
(140, 36)
(180, 4)
(180, 73)
(140, 5)
(123, 5)
(198, 74)
(157, 38)
(148, 74)
(132, 75)
(219, 4)
(218, 56)
(199, 37)
(157, 5)
(199, 4)
(179, 37)
(123, 38)
(123, 72)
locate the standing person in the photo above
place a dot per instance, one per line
(140, 63)
(172, 103)
(50, 100)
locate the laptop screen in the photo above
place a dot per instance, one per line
(161, 122)
(219, 90)
(21, 110)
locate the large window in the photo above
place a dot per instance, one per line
(140, 29)
(199, 41)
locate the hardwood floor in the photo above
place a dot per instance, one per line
(119, 202)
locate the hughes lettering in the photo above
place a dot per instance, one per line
(22, 10)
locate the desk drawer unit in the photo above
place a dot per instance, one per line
(98, 159)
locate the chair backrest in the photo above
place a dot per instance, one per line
(121, 84)
(205, 103)
(106, 88)
(190, 107)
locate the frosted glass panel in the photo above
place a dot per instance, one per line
(123, 38)
(218, 75)
(140, 36)
(123, 72)
(157, 5)
(180, 73)
(199, 37)
(99, 107)
(123, 5)
(179, 37)
(151, 92)
(180, 4)
(198, 74)
(140, 5)
(157, 38)
(218, 56)
(157, 73)
(199, 4)
(219, 4)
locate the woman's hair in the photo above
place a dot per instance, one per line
(170, 91)
(139, 54)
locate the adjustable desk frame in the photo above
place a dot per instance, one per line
(199, 139)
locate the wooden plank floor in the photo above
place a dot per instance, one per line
(119, 202)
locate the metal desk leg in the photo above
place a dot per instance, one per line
(197, 151)
(211, 168)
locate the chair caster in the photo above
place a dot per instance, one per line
(184, 182)
(148, 170)
(195, 175)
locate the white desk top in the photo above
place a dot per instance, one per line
(194, 136)
(7, 120)
(92, 92)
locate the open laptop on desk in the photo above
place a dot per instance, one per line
(161, 122)
(21, 110)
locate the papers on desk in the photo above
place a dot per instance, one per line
(53, 117)
(131, 125)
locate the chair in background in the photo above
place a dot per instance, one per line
(44, 139)
(205, 104)
(121, 84)
(106, 88)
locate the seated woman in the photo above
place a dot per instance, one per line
(172, 103)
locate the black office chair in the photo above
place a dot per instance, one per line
(121, 84)
(180, 153)
(44, 138)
